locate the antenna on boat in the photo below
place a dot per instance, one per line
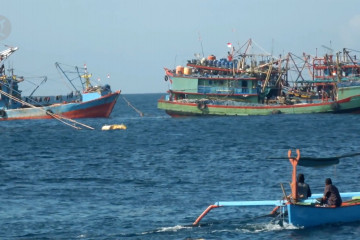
(202, 49)
(175, 61)
(86, 76)
(330, 50)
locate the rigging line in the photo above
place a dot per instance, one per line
(300, 58)
(70, 120)
(263, 49)
(59, 119)
(65, 82)
(238, 52)
(18, 92)
(72, 66)
(129, 104)
(56, 116)
(353, 50)
(30, 105)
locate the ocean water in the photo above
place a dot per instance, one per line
(154, 179)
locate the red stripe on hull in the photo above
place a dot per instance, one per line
(102, 111)
(98, 111)
(261, 107)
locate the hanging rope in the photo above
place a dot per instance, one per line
(56, 116)
(129, 104)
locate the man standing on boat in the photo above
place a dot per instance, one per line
(331, 194)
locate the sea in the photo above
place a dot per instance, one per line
(152, 180)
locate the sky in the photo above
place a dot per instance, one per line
(134, 40)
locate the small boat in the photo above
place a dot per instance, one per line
(90, 102)
(260, 84)
(301, 213)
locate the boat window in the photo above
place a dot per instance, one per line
(201, 82)
(244, 84)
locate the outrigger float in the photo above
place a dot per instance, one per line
(301, 213)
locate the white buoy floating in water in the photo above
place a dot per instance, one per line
(114, 127)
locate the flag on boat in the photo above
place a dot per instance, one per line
(229, 45)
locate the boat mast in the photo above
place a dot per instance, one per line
(44, 80)
(86, 76)
(11, 83)
(338, 68)
(267, 76)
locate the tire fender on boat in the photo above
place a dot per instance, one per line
(49, 112)
(335, 106)
(166, 78)
(201, 105)
(275, 111)
(2, 113)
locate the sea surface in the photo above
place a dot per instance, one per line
(154, 179)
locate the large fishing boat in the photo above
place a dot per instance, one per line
(301, 213)
(259, 84)
(90, 102)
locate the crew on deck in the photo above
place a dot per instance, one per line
(303, 188)
(331, 197)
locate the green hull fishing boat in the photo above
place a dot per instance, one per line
(259, 84)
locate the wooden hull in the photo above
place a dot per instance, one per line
(179, 108)
(97, 108)
(310, 216)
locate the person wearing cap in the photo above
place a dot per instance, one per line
(331, 195)
(303, 188)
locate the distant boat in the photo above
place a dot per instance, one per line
(90, 102)
(302, 213)
(259, 84)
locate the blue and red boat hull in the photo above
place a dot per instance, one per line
(310, 216)
(96, 108)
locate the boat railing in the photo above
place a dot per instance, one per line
(226, 90)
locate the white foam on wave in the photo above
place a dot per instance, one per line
(167, 229)
(266, 227)
(172, 229)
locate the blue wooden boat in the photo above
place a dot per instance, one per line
(302, 213)
(90, 102)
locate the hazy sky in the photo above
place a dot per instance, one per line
(134, 40)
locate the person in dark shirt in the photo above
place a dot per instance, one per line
(331, 195)
(303, 188)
